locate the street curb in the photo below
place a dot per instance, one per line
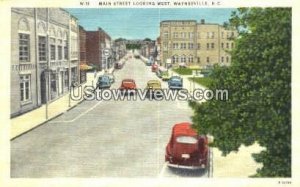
(56, 116)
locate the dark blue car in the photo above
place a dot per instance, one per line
(103, 82)
(175, 82)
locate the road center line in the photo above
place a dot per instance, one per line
(79, 116)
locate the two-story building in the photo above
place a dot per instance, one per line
(44, 56)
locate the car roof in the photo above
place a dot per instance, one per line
(184, 128)
(153, 82)
(128, 80)
(103, 76)
(175, 77)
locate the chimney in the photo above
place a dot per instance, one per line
(202, 21)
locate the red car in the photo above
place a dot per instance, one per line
(128, 85)
(154, 67)
(186, 149)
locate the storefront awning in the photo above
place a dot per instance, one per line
(85, 67)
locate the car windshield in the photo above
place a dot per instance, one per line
(176, 79)
(186, 139)
(104, 78)
(153, 84)
(127, 82)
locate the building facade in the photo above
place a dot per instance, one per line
(83, 61)
(96, 43)
(119, 49)
(193, 43)
(44, 56)
(148, 49)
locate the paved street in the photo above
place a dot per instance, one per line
(104, 138)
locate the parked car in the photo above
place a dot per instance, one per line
(153, 85)
(128, 85)
(154, 67)
(111, 78)
(149, 62)
(163, 73)
(186, 149)
(175, 82)
(118, 65)
(103, 82)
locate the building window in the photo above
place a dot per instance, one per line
(24, 52)
(59, 48)
(222, 59)
(191, 35)
(227, 59)
(222, 45)
(165, 46)
(183, 46)
(207, 59)
(212, 45)
(227, 45)
(53, 82)
(207, 46)
(191, 59)
(190, 45)
(183, 34)
(198, 60)
(175, 35)
(42, 48)
(228, 35)
(175, 59)
(198, 46)
(166, 35)
(52, 52)
(212, 35)
(232, 45)
(66, 52)
(66, 79)
(25, 88)
(232, 34)
(175, 45)
(183, 59)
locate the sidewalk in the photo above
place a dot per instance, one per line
(241, 160)
(188, 84)
(34, 118)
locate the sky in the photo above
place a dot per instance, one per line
(139, 23)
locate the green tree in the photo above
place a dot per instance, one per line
(259, 86)
(147, 39)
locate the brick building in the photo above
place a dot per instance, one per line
(186, 41)
(96, 42)
(44, 56)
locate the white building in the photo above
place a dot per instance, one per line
(44, 56)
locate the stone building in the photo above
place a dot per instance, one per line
(201, 44)
(44, 56)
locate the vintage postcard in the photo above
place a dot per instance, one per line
(150, 92)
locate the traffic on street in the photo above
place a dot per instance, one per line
(109, 138)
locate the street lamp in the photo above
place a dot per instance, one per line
(47, 76)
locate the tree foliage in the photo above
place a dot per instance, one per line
(133, 46)
(259, 86)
